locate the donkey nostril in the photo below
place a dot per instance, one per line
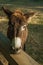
(17, 49)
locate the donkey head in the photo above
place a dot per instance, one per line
(17, 27)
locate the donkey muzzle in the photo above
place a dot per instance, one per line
(16, 44)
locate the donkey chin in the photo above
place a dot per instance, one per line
(16, 45)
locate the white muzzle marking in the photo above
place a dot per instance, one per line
(16, 43)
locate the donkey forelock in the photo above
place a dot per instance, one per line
(19, 17)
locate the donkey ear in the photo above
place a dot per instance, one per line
(29, 14)
(8, 12)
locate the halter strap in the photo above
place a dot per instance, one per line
(23, 27)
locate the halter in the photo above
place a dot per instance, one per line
(23, 27)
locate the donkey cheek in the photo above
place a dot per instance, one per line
(17, 42)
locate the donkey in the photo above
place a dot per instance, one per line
(17, 31)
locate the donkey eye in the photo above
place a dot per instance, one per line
(13, 23)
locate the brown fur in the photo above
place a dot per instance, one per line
(16, 16)
(16, 20)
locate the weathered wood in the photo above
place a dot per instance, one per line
(3, 59)
(15, 59)
(23, 59)
(5, 49)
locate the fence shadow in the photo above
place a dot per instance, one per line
(5, 49)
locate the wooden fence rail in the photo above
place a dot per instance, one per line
(13, 59)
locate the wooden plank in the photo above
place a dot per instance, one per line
(5, 49)
(23, 59)
(3, 59)
(16, 59)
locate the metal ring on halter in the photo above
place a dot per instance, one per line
(23, 27)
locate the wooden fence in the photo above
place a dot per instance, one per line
(7, 57)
